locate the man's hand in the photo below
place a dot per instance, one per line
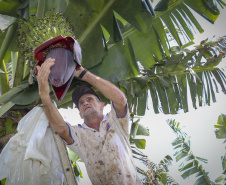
(78, 71)
(43, 75)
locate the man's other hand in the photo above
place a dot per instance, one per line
(78, 71)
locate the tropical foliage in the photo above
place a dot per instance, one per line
(158, 173)
(150, 172)
(74, 161)
(191, 165)
(124, 41)
(221, 127)
(221, 134)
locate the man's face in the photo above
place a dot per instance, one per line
(89, 105)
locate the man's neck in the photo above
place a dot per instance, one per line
(93, 122)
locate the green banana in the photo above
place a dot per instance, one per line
(35, 31)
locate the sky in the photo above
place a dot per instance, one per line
(199, 123)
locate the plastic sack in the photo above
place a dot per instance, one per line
(31, 157)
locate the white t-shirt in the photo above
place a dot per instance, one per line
(107, 154)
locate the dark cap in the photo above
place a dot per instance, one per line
(80, 91)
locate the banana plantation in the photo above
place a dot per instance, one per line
(127, 42)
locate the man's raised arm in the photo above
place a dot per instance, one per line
(109, 90)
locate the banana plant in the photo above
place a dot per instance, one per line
(191, 164)
(152, 173)
(220, 133)
(155, 173)
(74, 159)
(124, 42)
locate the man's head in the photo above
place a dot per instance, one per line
(82, 90)
(87, 101)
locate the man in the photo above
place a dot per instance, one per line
(101, 141)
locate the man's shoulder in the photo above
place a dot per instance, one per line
(114, 113)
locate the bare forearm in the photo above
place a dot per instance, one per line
(109, 90)
(56, 119)
(53, 115)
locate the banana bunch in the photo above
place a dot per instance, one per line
(34, 32)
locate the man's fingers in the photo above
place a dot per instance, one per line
(45, 68)
(48, 64)
(78, 71)
(50, 61)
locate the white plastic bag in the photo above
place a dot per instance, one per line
(31, 157)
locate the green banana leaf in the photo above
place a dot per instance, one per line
(191, 164)
(221, 127)
(126, 42)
